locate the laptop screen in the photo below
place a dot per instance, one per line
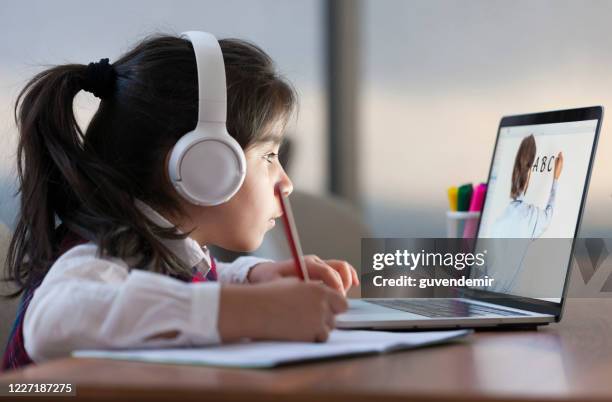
(535, 190)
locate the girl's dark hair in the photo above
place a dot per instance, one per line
(92, 179)
(522, 163)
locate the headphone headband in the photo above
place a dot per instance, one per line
(207, 166)
(211, 77)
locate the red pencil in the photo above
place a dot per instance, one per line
(292, 234)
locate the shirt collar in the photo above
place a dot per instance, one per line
(520, 197)
(187, 249)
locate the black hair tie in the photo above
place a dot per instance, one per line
(100, 79)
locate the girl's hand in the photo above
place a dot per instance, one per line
(558, 165)
(337, 274)
(285, 309)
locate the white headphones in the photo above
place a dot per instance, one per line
(207, 166)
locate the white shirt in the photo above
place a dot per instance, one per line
(518, 226)
(86, 301)
(524, 220)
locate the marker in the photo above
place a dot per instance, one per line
(471, 224)
(464, 197)
(478, 197)
(452, 198)
(292, 234)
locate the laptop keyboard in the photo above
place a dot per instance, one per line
(443, 308)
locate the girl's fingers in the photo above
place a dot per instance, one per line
(325, 273)
(347, 272)
(323, 335)
(337, 302)
(344, 270)
(330, 320)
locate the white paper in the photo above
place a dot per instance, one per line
(274, 353)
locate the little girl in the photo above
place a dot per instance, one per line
(106, 253)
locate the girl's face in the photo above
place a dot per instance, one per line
(241, 223)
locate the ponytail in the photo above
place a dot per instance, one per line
(47, 154)
(59, 179)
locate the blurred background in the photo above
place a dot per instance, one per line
(399, 99)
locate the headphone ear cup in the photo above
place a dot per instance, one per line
(207, 169)
(207, 166)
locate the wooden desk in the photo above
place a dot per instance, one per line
(567, 361)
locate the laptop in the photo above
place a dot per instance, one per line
(543, 202)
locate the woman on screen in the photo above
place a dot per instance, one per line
(520, 220)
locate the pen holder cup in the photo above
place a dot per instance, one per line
(461, 224)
